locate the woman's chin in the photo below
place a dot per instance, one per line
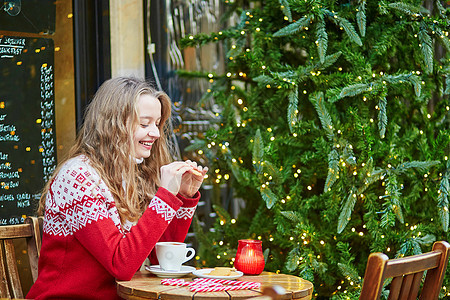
(144, 154)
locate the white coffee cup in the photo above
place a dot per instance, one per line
(171, 255)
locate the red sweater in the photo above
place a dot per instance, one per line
(84, 246)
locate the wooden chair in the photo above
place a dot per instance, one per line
(406, 274)
(10, 285)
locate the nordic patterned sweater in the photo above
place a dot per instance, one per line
(85, 248)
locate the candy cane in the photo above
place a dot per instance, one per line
(174, 282)
(201, 288)
(211, 285)
(230, 282)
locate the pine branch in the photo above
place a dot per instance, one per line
(235, 169)
(354, 89)
(333, 170)
(292, 109)
(388, 216)
(322, 39)
(409, 247)
(237, 48)
(272, 170)
(442, 199)
(349, 271)
(329, 60)
(258, 151)
(348, 155)
(286, 8)
(406, 8)
(242, 20)
(294, 27)
(393, 192)
(268, 196)
(447, 85)
(346, 212)
(293, 259)
(427, 49)
(382, 116)
(361, 17)
(440, 8)
(416, 82)
(348, 27)
(372, 177)
(265, 80)
(445, 41)
(292, 216)
(421, 166)
(317, 100)
(221, 212)
(406, 78)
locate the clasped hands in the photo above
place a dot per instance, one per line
(184, 177)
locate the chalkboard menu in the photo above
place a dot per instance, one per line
(27, 124)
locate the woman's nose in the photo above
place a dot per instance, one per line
(154, 132)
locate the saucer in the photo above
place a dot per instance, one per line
(204, 274)
(156, 269)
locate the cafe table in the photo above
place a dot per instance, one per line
(145, 285)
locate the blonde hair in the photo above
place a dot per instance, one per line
(106, 138)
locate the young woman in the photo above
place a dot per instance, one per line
(116, 195)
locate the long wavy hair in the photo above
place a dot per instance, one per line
(106, 139)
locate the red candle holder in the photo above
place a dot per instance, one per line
(249, 257)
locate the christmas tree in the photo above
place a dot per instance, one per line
(334, 130)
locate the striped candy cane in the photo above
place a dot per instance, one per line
(211, 285)
(230, 282)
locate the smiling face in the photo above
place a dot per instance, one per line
(147, 131)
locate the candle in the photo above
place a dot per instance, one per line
(249, 257)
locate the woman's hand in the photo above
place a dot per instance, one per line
(171, 175)
(182, 177)
(192, 180)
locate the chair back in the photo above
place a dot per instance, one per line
(10, 285)
(406, 274)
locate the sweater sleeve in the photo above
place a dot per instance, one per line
(179, 227)
(83, 203)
